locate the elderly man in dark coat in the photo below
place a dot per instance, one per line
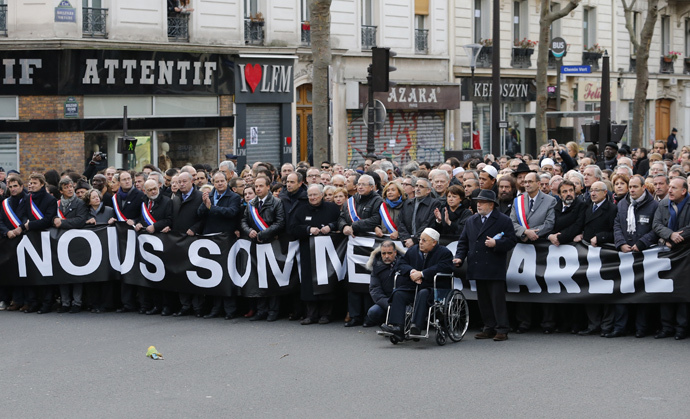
(484, 244)
(318, 217)
(418, 268)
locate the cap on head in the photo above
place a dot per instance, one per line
(547, 162)
(490, 170)
(435, 235)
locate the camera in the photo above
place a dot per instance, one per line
(100, 154)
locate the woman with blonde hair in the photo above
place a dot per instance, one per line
(393, 197)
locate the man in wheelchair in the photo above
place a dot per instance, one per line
(417, 270)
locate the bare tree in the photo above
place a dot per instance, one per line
(546, 18)
(641, 49)
(320, 12)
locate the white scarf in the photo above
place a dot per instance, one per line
(632, 224)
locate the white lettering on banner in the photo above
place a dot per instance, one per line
(94, 247)
(239, 279)
(157, 245)
(627, 273)
(522, 269)
(91, 72)
(554, 275)
(44, 264)
(165, 72)
(653, 264)
(264, 252)
(147, 76)
(597, 285)
(111, 65)
(195, 259)
(325, 250)
(117, 69)
(353, 260)
(130, 250)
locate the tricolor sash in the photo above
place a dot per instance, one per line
(14, 220)
(116, 207)
(521, 210)
(352, 209)
(38, 215)
(260, 223)
(387, 219)
(147, 215)
(60, 214)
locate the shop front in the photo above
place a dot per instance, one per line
(61, 106)
(414, 126)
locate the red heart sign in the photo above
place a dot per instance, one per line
(288, 140)
(242, 142)
(252, 73)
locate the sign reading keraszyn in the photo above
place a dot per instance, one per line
(512, 90)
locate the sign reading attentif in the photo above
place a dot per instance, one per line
(590, 91)
(413, 97)
(512, 90)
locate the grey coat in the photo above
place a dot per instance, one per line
(542, 216)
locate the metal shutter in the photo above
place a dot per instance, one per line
(267, 119)
(418, 135)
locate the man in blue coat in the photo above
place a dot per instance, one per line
(485, 241)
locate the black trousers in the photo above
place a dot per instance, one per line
(674, 317)
(400, 300)
(358, 304)
(268, 305)
(491, 297)
(229, 305)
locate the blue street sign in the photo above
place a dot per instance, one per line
(576, 69)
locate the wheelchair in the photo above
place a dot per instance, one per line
(448, 314)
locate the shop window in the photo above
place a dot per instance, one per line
(9, 152)
(185, 105)
(107, 142)
(112, 106)
(177, 148)
(8, 107)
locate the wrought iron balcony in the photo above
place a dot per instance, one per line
(368, 37)
(485, 57)
(253, 31)
(178, 27)
(94, 22)
(591, 59)
(666, 66)
(3, 20)
(421, 41)
(306, 34)
(521, 57)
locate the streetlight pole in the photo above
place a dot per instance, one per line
(472, 51)
(605, 110)
(496, 81)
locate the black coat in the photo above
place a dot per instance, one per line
(458, 218)
(304, 218)
(223, 217)
(644, 235)
(569, 223)
(293, 200)
(425, 217)
(438, 260)
(17, 204)
(599, 223)
(47, 204)
(75, 215)
(367, 211)
(486, 263)
(382, 280)
(161, 211)
(131, 204)
(185, 215)
(272, 213)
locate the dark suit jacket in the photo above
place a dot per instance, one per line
(161, 211)
(131, 205)
(185, 215)
(273, 214)
(224, 217)
(17, 204)
(75, 216)
(425, 217)
(569, 223)
(599, 223)
(368, 212)
(47, 204)
(486, 263)
(439, 260)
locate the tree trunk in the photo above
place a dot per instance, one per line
(320, 11)
(546, 18)
(642, 74)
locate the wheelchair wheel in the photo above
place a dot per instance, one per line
(440, 337)
(457, 315)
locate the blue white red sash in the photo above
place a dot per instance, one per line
(352, 209)
(60, 214)
(260, 223)
(521, 210)
(147, 215)
(14, 220)
(118, 213)
(387, 219)
(38, 215)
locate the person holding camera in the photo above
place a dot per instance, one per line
(98, 162)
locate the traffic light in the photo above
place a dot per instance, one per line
(126, 145)
(380, 69)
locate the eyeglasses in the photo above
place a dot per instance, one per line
(314, 175)
(325, 167)
(420, 187)
(407, 183)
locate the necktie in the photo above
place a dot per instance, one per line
(150, 205)
(594, 208)
(483, 219)
(260, 204)
(565, 207)
(531, 202)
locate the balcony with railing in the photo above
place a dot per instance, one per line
(306, 34)
(521, 57)
(178, 27)
(253, 31)
(368, 37)
(421, 41)
(666, 66)
(94, 22)
(3, 20)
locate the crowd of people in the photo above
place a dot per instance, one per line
(630, 199)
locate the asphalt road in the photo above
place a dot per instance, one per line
(88, 365)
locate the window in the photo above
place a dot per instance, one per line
(368, 26)
(687, 38)
(421, 34)
(251, 8)
(368, 12)
(304, 10)
(637, 28)
(665, 34)
(556, 25)
(520, 21)
(8, 107)
(9, 151)
(112, 106)
(589, 27)
(107, 143)
(482, 20)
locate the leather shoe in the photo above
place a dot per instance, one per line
(249, 314)
(63, 309)
(198, 314)
(615, 334)
(393, 329)
(185, 311)
(124, 310)
(640, 334)
(485, 335)
(521, 330)
(166, 312)
(325, 320)
(13, 307)
(272, 317)
(588, 332)
(153, 311)
(306, 321)
(680, 336)
(75, 309)
(500, 337)
(548, 331)
(414, 330)
(663, 334)
(142, 310)
(367, 324)
(230, 316)
(44, 310)
(30, 309)
(212, 315)
(353, 322)
(258, 317)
